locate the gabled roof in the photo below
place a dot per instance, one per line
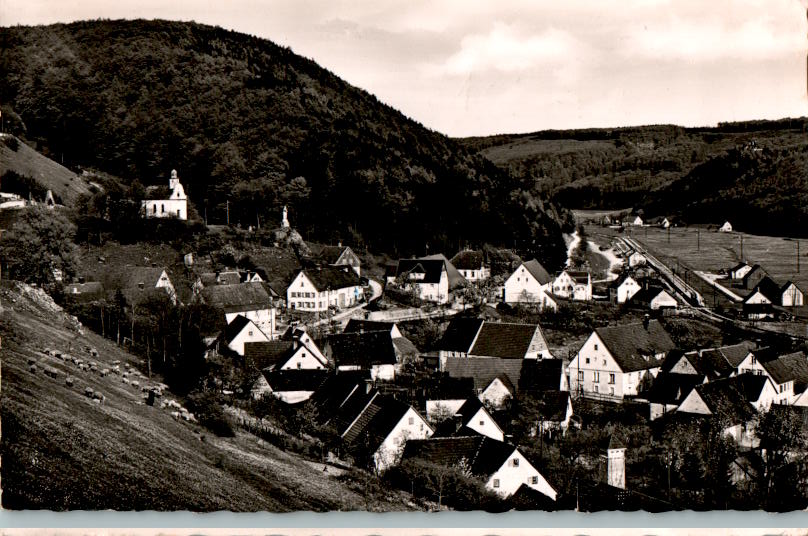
(537, 271)
(358, 325)
(331, 254)
(552, 405)
(295, 380)
(633, 345)
(621, 279)
(460, 334)
(234, 298)
(482, 455)
(789, 367)
(784, 286)
(432, 269)
(456, 279)
(335, 391)
(756, 269)
(235, 327)
(331, 277)
(541, 375)
(363, 349)
(506, 340)
(376, 422)
(266, 354)
(710, 363)
(614, 442)
(404, 347)
(770, 289)
(580, 277)
(738, 267)
(483, 371)
(736, 353)
(469, 260)
(449, 388)
(672, 388)
(646, 295)
(730, 396)
(464, 414)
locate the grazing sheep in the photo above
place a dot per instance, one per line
(97, 400)
(32, 368)
(88, 392)
(175, 414)
(93, 352)
(31, 360)
(47, 351)
(135, 384)
(116, 362)
(52, 372)
(69, 381)
(104, 372)
(57, 353)
(125, 380)
(124, 375)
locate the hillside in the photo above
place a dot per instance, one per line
(61, 450)
(17, 158)
(737, 171)
(245, 120)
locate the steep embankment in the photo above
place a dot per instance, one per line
(62, 450)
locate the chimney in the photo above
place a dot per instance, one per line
(458, 421)
(154, 265)
(339, 244)
(368, 386)
(646, 321)
(140, 285)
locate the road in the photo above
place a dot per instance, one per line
(376, 289)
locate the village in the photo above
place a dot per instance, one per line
(485, 365)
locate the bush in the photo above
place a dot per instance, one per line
(208, 410)
(11, 142)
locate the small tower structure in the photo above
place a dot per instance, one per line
(615, 462)
(285, 220)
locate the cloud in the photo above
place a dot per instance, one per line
(503, 49)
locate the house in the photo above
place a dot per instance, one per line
(710, 364)
(623, 288)
(500, 466)
(375, 428)
(739, 270)
(171, 203)
(555, 411)
(471, 265)
(635, 259)
(507, 340)
(84, 291)
(573, 285)
(469, 418)
(139, 283)
(246, 299)
(316, 289)
(290, 386)
(433, 277)
(787, 372)
(539, 375)
(654, 298)
(376, 351)
(726, 228)
(669, 390)
(242, 331)
(495, 380)
(357, 325)
(340, 256)
(616, 361)
(283, 355)
(459, 337)
(637, 221)
(753, 276)
(791, 295)
(529, 283)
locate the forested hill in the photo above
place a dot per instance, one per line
(753, 173)
(243, 119)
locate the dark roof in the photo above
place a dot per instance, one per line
(789, 367)
(672, 388)
(646, 295)
(738, 267)
(331, 277)
(240, 297)
(537, 270)
(580, 277)
(363, 349)
(135, 275)
(235, 327)
(614, 442)
(736, 353)
(447, 387)
(456, 279)
(465, 413)
(358, 325)
(730, 396)
(541, 375)
(460, 334)
(335, 391)
(482, 455)
(770, 289)
(376, 422)
(634, 345)
(710, 363)
(432, 269)
(756, 270)
(552, 405)
(505, 340)
(351, 408)
(331, 254)
(469, 260)
(483, 371)
(267, 354)
(85, 291)
(295, 380)
(404, 347)
(785, 286)
(620, 280)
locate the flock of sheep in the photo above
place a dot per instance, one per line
(128, 375)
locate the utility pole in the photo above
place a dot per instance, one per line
(698, 240)
(228, 211)
(798, 255)
(741, 237)
(669, 235)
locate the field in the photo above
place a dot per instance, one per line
(62, 451)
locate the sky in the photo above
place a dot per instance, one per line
(472, 67)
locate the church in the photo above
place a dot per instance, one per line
(175, 206)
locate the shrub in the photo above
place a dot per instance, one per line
(208, 410)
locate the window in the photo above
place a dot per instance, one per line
(250, 333)
(299, 365)
(482, 423)
(163, 207)
(534, 480)
(516, 462)
(604, 362)
(496, 482)
(597, 388)
(301, 283)
(754, 360)
(596, 376)
(611, 390)
(412, 420)
(587, 360)
(611, 378)
(580, 375)
(596, 346)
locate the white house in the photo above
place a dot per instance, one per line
(636, 259)
(174, 206)
(529, 283)
(500, 466)
(573, 285)
(374, 351)
(726, 228)
(246, 299)
(615, 361)
(470, 417)
(787, 372)
(316, 289)
(290, 386)
(555, 412)
(283, 355)
(655, 298)
(623, 288)
(432, 278)
(637, 221)
(471, 265)
(739, 270)
(791, 295)
(138, 283)
(242, 331)
(341, 256)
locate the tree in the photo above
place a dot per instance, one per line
(781, 447)
(38, 243)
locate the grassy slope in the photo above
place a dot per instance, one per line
(51, 175)
(62, 451)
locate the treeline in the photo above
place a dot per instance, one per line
(252, 127)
